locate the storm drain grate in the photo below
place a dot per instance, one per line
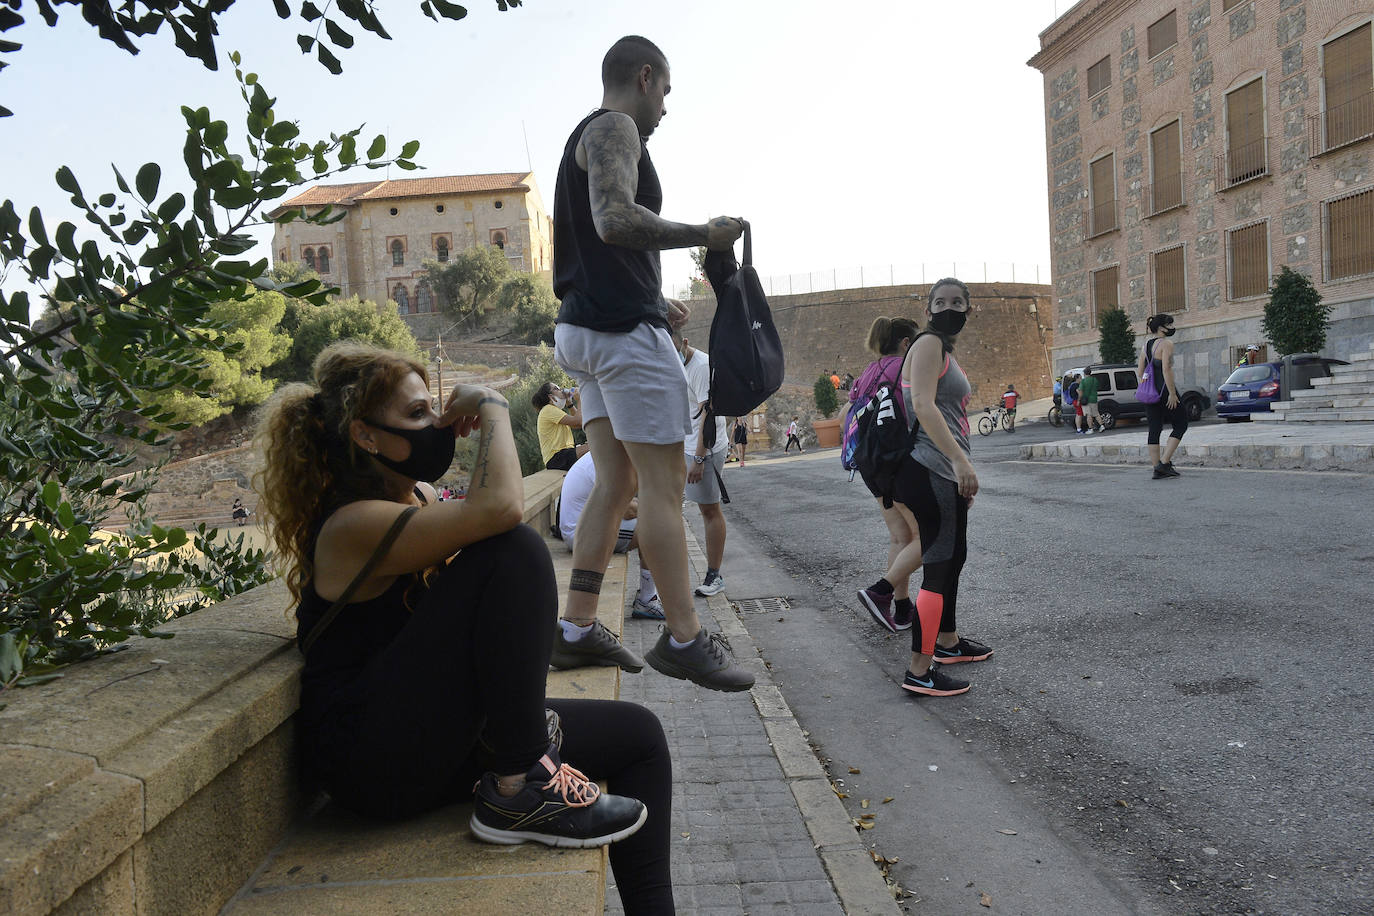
(763, 605)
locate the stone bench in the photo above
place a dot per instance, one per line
(162, 779)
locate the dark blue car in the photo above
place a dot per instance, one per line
(1252, 389)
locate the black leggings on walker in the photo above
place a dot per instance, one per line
(1157, 413)
(472, 660)
(942, 517)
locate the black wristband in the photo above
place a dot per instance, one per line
(501, 401)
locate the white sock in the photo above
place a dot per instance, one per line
(572, 632)
(647, 589)
(672, 641)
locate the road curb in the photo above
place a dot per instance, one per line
(1306, 457)
(857, 882)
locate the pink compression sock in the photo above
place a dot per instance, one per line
(930, 607)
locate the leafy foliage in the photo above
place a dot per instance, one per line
(467, 284)
(1116, 340)
(700, 287)
(523, 417)
(193, 24)
(1295, 319)
(827, 401)
(136, 303)
(530, 299)
(345, 319)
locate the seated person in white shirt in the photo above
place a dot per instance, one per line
(577, 486)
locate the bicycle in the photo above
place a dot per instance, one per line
(1056, 416)
(992, 418)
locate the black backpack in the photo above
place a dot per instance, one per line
(884, 440)
(745, 350)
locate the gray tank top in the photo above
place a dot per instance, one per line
(951, 399)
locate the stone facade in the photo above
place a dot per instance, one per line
(414, 220)
(1006, 340)
(1217, 52)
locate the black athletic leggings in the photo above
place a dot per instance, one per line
(473, 659)
(1157, 413)
(942, 517)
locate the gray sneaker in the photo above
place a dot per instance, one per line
(713, 585)
(708, 661)
(599, 647)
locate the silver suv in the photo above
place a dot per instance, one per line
(1116, 385)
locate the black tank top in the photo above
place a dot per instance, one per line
(603, 287)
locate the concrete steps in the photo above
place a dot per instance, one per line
(1347, 396)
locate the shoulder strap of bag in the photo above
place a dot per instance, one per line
(387, 540)
(748, 246)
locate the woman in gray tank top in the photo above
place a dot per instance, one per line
(934, 490)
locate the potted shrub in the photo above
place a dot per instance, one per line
(827, 403)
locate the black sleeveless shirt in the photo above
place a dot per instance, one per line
(603, 287)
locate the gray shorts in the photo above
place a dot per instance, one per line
(635, 380)
(706, 490)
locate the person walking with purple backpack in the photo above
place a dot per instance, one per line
(1156, 364)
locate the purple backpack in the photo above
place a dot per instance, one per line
(1148, 392)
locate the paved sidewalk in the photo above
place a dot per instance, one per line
(1267, 445)
(757, 828)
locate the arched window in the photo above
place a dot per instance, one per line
(309, 255)
(424, 300)
(323, 261)
(441, 247)
(499, 240)
(398, 253)
(402, 299)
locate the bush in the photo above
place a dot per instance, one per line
(1294, 319)
(523, 416)
(345, 319)
(530, 300)
(827, 401)
(1116, 342)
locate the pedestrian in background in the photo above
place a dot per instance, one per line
(1009, 399)
(1159, 350)
(1087, 397)
(740, 435)
(792, 436)
(704, 463)
(889, 339)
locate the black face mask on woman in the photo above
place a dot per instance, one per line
(431, 451)
(948, 322)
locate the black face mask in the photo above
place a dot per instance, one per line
(948, 322)
(431, 451)
(1169, 332)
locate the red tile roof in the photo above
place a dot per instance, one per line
(347, 194)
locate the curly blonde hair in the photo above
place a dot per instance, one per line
(310, 464)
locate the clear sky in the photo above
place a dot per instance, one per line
(849, 133)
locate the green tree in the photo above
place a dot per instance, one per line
(700, 287)
(523, 417)
(193, 24)
(827, 401)
(346, 319)
(465, 285)
(530, 299)
(1116, 340)
(1295, 319)
(247, 341)
(139, 282)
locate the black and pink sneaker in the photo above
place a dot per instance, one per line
(934, 683)
(557, 806)
(965, 650)
(880, 606)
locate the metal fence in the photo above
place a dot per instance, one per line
(835, 278)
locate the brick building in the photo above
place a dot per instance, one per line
(1195, 146)
(390, 227)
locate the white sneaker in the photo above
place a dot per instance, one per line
(714, 585)
(647, 610)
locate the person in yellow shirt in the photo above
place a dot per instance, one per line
(555, 425)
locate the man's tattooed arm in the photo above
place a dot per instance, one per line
(611, 144)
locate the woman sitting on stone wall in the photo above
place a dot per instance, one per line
(427, 626)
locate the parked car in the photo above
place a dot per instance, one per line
(1116, 385)
(1253, 389)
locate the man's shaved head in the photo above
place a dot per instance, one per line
(627, 57)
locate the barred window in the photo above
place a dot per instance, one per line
(1350, 235)
(441, 247)
(1163, 34)
(424, 299)
(1099, 76)
(309, 257)
(323, 260)
(1106, 292)
(1247, 250)
(1227, 5)
(1348, 80)
(398, 253)
(1169, 280)
(1166, 169)
(1246, 147)
(1103, 203)
(402, 299)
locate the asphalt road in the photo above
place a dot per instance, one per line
(1177, 717)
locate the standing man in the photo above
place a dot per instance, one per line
(1087, 396)
(1009, 399)
(704, 463)
(613, 338)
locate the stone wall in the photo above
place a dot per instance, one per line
(1003, 342)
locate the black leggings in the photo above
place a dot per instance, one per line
(942, 517)
(1157, 413)
(473, 660)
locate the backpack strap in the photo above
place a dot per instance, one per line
(387, 540)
